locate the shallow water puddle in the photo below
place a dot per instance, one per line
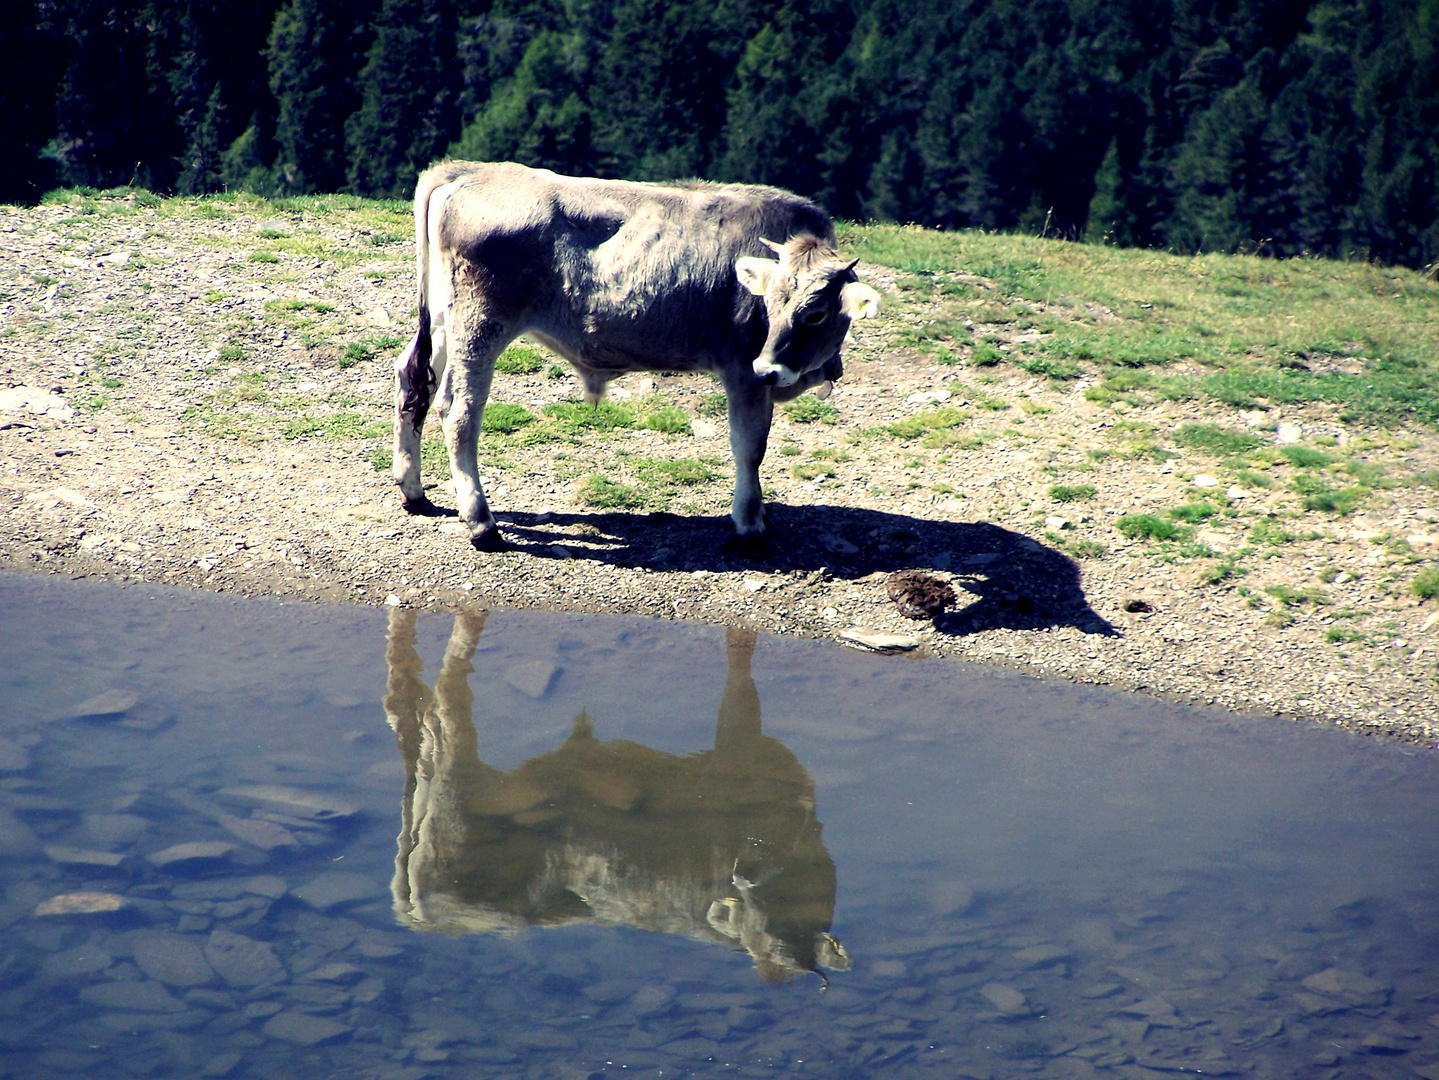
(242, 838)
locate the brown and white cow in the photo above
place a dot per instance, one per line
(720, 846)
(616, 276)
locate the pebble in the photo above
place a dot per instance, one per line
(191, 852)
(68, 856)
(337, 889)
(265, 835)
(296, 802)
(1204, 480)
(1350, 987)
(173, 959)
(1006, 999)
(872, 640)
(243, 961)
(144, 996)
(110, 705)
(304, 1029)
(80, 903)
(533, 678)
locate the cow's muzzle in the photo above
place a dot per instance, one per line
(773, 374)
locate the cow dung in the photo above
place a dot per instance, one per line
(918, 595)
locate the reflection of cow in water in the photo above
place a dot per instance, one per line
(722, 845)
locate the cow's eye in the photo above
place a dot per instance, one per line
(815, 317)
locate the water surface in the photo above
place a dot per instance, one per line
(243, 838)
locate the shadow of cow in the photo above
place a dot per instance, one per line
(1014, 582)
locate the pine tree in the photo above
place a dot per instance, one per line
(406, 116)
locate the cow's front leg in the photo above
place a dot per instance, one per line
(750, 411)
(472, 369)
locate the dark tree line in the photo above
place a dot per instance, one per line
(1282, 125)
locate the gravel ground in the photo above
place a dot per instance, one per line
(199, 394)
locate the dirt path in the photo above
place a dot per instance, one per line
(200, 399)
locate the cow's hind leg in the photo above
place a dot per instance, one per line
(477, 344)
(409, 425)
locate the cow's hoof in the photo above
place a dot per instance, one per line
(489, 539)
(421, 507)
(751, 546)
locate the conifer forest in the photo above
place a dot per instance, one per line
(1278, 126)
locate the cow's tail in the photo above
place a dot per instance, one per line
(418, 374)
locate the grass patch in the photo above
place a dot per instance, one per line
(1147, 527)
(812, 470)
(601, 416)
(1342, 635)
(1213, 439)
(669, 419)
(603, 493)
(1268, 530)
(1288, 596)
(366, 349)
(345, 425)
(713, 405)
(1306, 457)
(810, 410)
(263, 257)
(1071, 492)
(1426, 584)
(504, 418)
(913, 427)
(520, 360)
(1320, 495)
(1193, 513)
(676, 472)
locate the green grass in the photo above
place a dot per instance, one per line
(603, 493)
(520, 360)
(366, 349)
(504, 417)
(669, 419)
(912, 427)
(678, 472)
(601, 416)
(1217, 440)
(1147, 527)
(712, 405)
(1306, 457)
(1071, 492)
(1289, 596)
(1240, 330)
(1426, 584)
(1193, 512)
(809, 410)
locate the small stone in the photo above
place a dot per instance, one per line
(1236, 492)
(68, 856)
(111, 705)
(243, 961)
(754, 585)
(335, 890)
(1004, 998)
(1138, 606)
(194, 851)
(1204, 480)
(292, 801)
(559, 551)
(1288, 434)
(303, 1029)
(80, 903)
(1100, 990)
(532, 677)
(84, 960)
(1054, 521)
(267, 885)
(1037, 956)
(265, 835)
(872, 640)
(173, 959)
(144, 996)
(1430, 622)
(222, 1065)
(392, 601)
(337, 972)
(928, 397)
(1377, 1042)
(1350, 987)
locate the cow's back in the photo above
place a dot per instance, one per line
(619, 274)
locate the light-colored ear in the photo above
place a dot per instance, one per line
(755, 274)
(859, 301)
(777, 248)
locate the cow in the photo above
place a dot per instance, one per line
(721, 846)
(616, 276)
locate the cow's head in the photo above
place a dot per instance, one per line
(811, 296)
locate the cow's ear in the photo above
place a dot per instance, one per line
(859, 301)
(755, 274)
